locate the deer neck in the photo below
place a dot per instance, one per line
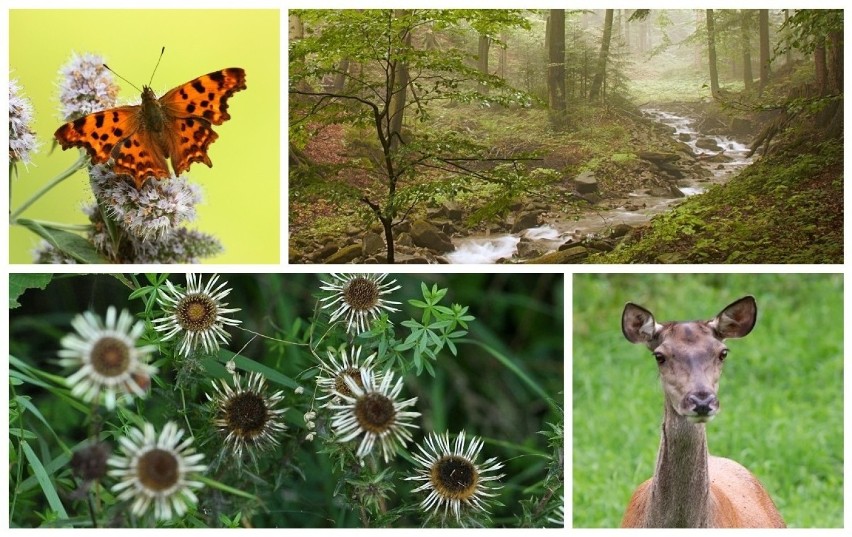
(680, 493)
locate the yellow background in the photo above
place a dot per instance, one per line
(241, 205)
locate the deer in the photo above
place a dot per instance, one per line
(691, 488)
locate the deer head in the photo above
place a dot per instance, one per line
(690, 354)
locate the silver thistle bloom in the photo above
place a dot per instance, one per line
(157, 470)
(197, 315)
(371, 409)
(248, 416)
(86, 87)
(358, 298)
(150, 212)
(22, 139)
(109, 362)
(454, 480)
(340, 365)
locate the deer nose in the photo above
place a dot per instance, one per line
(703, 402)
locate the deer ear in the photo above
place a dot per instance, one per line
(638, 324)
(737, 320)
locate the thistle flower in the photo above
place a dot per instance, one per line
(196, 315)
(358, 298)
(109, 361)
(151, 212)
(247, 415)
(157, 470)
(86, 87)
(372, 409)
(453, 478)
(22, 139)
(333, 374)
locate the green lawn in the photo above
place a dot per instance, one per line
(781, 392)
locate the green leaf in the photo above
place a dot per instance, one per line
(18, 283)
(44, 480)
(66, 242)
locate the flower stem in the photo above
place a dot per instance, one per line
(46, 188)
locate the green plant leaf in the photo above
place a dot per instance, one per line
(44, 480)
(68, 243)
(19, 283)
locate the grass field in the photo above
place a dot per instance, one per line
(781, 392)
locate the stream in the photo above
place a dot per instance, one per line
(637, 208)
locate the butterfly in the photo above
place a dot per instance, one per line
(178, 126)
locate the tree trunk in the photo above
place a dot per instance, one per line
(789, 53)
(745, 43)
(340, 76)
(597, 82)
(820, 68)
(711, 54)
(482, 58)
(556, 68)
(764, 48)
(399, 80)
(835, 62)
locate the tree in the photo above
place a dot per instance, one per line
(399, 81)
(556, 68)
(745, 43)
(711, 54)
(600, 75)
(765, 59)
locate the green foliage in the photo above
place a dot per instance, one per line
(19, 283)
(779, 393)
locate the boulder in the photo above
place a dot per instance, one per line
(709, 144)
(526, 220)
(372, 243)
(426, 235)
(346, 254)
(562, 257)
(324, 252)
(620, 230)
(586, 183)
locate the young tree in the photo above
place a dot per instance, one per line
(556, 68)
(400, 79)
(597, 82)
(745, 43)
(765, 58)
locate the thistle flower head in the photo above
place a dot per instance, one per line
(86, 87)
(108, 362)
(22, 139)
(358, 299)
(151, 212)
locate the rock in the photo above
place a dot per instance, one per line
(620, 230)
(656, 157)
(708, 143)
(586, 183)
(325, 252)
(449, 209)
(600, 246)
(345, 254)
(665, 192)
(402, 227)
(525, 221)
(671, 257)
(444, 225)
(741, 126)
(426, 235)
(404, 239)
(528, 248)
(571, 255)
(592, 199)
(372, 243)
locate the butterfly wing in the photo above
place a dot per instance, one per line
(191, 109)
(119, 134)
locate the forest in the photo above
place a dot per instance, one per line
(566, 136)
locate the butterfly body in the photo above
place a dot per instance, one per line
(177, 126)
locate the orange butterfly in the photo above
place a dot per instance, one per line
(177, 126)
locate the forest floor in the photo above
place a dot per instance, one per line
(787, 207)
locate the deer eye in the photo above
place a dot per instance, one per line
(723, 355)
(661, 359)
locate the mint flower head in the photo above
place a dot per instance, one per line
(22, 139)
(156, 209)
(86, 86)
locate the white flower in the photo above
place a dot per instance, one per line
(107, 357)
(371, 409)
(340, 365)
(453, 478)
(157, 470)
(247, 415)
(86, 87)
(196, 315)
(358, 298)
(22, 139)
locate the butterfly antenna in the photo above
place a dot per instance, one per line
(162, 51)
(108, 68)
